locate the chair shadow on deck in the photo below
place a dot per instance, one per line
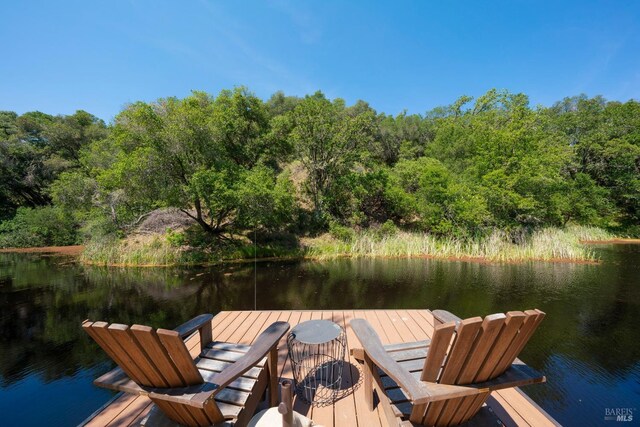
(352, 379)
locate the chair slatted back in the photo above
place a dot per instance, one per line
(476, 349)
(473, 350)
(152, 358)
(437, 351)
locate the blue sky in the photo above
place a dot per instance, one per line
(99, 55)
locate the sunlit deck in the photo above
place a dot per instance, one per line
(510, 406)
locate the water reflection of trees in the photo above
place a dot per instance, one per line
(591, 309)
(595, 305)
(44, 302)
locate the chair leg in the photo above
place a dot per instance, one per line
(273, 377)
(368, 381)
(417, 413)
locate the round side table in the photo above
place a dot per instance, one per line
(316, 350)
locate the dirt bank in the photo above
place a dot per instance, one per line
(612, 241)
(62, 250)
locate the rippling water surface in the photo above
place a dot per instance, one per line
(588, 345)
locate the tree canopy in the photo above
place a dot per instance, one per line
(234, 162)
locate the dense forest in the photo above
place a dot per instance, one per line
(233, 163)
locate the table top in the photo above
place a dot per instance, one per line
(316, 331)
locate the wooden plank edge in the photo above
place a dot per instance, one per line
(100, 409)
(538, 407)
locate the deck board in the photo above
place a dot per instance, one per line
(365, 417)
(322, 415)
(345, 409)
(393, 326)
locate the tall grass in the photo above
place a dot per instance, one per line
(159, 250)
(544, 244)
(139, 251)
(586, 233)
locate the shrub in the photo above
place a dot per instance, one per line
(388, 229)
(98, 227)
(341, 232)
(44, 226)
(176, 238)
(428, 196)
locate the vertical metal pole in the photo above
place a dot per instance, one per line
(255, 269)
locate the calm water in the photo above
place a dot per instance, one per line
(588, 346)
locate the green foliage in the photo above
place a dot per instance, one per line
(35, 148)
(234, 163)
(401, 137)
(427, 195)
(197, 154)
(605, 140)
(264, 200)
(358, 197)
(280, 104)
(98, 227)
(176, 238)
(74, 191)
(67, 135)
(340, 232)
(44, 226)
(387, 229)
(328, 139)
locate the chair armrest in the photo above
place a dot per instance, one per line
(197, 323)
(265, 342)
(443, 316)
(358, 353)
(417, 391)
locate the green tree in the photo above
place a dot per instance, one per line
(265, 200)
(42, 226)
(427, 195)
(402, 137)
(192, 154)
(605, 139)
(66, 135)
(328, 140)
(25, 169)
(35, 148)
(501, 145)
(280, 104)
(358, 198)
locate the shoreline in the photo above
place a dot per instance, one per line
(76, 251)
(617, 241)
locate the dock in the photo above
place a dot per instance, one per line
(511, 406)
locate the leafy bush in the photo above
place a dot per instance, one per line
(424, 193)
(264, 200)
(44, 226)
(341, 232)
(176, 238)
(358, 198)
(98, 227)
(388, 229)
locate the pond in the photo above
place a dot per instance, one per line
(588, 345)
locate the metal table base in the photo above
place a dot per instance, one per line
(316, 350)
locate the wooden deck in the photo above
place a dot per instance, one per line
(511, 406)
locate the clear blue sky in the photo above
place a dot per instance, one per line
(59, 56)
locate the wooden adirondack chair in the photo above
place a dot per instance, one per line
(224, 383)
(446, 380)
